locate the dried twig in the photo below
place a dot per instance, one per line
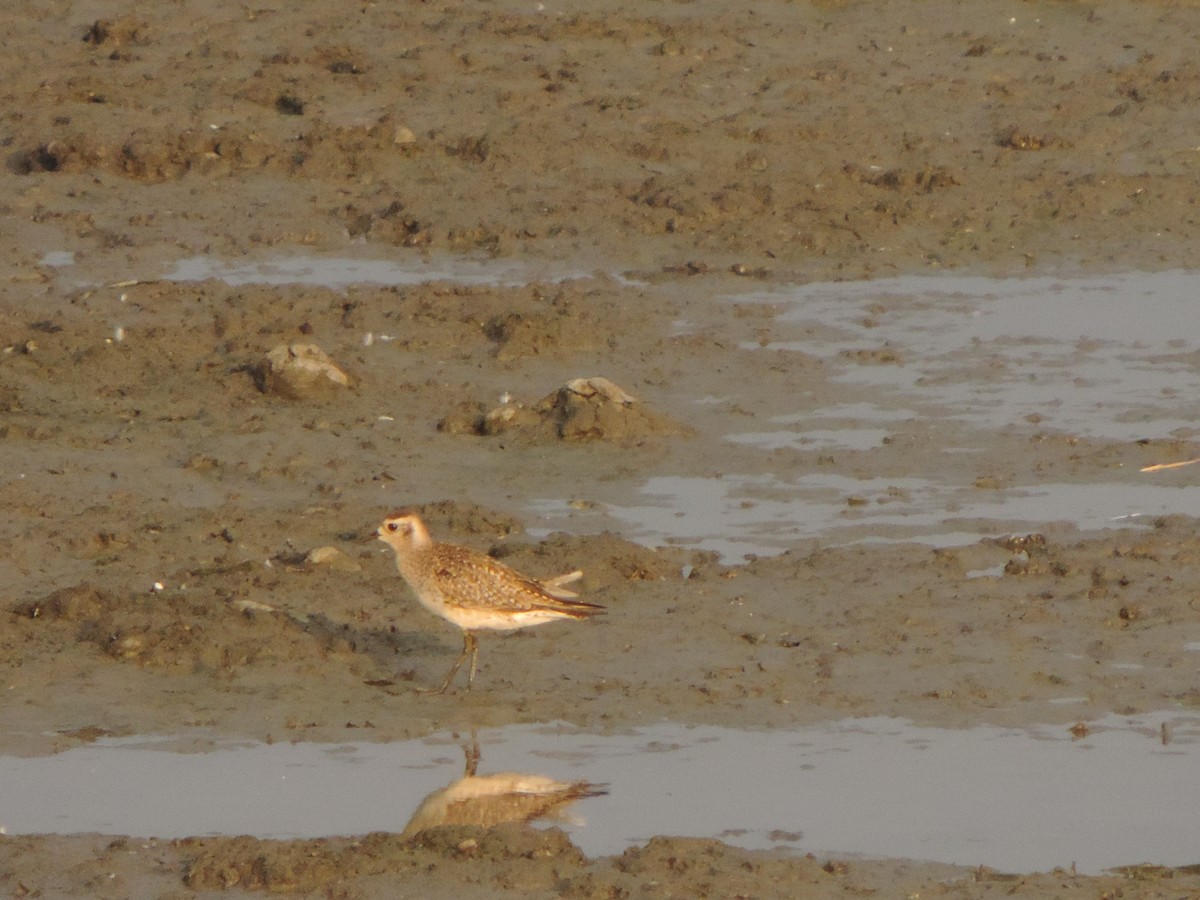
(1174, 465)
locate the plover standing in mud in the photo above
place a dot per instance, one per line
(474, 591)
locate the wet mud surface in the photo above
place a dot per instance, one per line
(656, 178)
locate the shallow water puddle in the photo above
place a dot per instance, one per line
(1015, 799)
(1108, 356)
(739, 515)
(339, 272)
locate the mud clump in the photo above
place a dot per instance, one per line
(587, 409)
(76, 603)
(582, 410)
(533, 856)
(258, 865)
(299, 371)
(161, 631)
(116, 33)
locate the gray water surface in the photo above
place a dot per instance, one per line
(1014, 799)
(340, 272)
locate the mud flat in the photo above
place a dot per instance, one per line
(893, 306)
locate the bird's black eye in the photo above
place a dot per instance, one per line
(392, 526)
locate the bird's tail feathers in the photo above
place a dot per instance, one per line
(554, 586)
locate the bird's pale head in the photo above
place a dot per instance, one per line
(404, 532)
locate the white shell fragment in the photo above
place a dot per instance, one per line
(332, 557)
(251, 606)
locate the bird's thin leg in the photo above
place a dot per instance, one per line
(471, 755)
(468, 645)
(474, 642)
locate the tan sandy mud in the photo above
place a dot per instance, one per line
(643, 169)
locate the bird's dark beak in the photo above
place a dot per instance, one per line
(371, 536)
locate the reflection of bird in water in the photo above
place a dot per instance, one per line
(474, 591)
(490, 800)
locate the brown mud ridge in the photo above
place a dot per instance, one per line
(462, 861)
(185, 525)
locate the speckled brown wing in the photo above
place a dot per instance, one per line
(475, 580)
(490, 800)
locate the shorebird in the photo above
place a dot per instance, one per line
(489, 800)
(474, 591)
